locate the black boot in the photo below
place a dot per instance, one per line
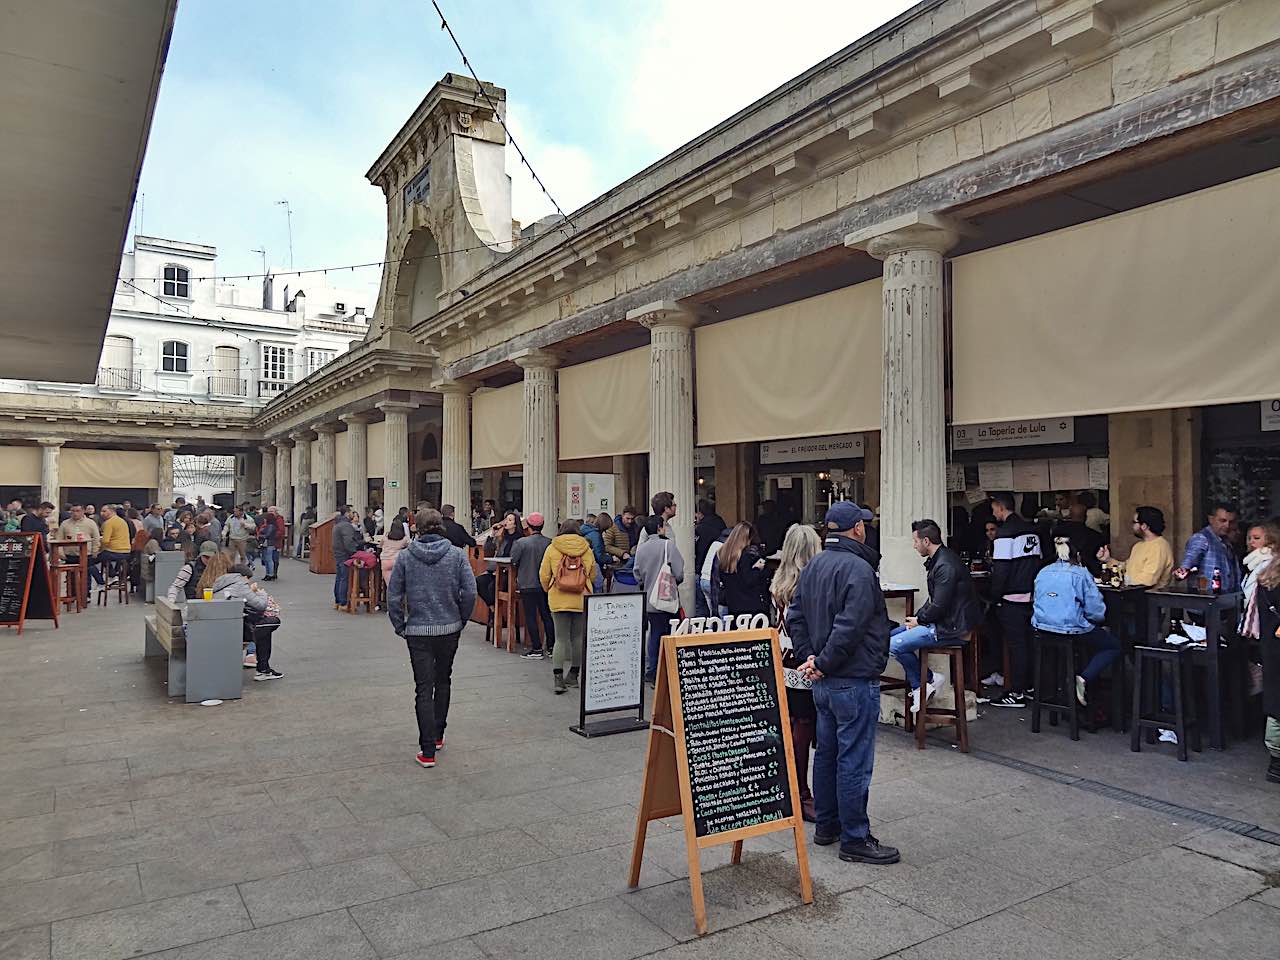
(1273, 770)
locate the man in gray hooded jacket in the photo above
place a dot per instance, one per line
(431, 594)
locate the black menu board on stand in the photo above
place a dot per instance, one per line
(720, 752)
(25, 592)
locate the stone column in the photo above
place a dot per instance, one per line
(245, 469)
(455, 453)
(326, 470)
(50, 484)
(357, 460)
(395, 478)
(301, 474)
(671, 421)
(164, 473)
(913, 443)
(284, 478)
(541, 446)
(268, 484)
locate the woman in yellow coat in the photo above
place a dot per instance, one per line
(567, 572)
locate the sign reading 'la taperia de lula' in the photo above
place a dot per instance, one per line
(1013, 433)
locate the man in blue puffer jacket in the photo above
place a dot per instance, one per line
(1067, 601)
(431, 594)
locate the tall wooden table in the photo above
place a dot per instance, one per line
(81, 563)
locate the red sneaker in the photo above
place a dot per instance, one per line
(440, 744)
(425, 761)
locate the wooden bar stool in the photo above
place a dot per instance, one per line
(1149, 665)
(115, 578)
(68, 590)
(954, 716)
(363, 591)
(504, 605)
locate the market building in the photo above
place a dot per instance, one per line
(991, 245)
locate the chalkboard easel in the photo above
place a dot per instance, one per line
(720, 752)
(26, 592)
(612, 678)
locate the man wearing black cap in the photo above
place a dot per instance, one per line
(839, 625)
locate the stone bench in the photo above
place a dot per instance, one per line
(202, 646)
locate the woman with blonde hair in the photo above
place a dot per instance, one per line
(1266, 603)
(800, 545)
(219, 565)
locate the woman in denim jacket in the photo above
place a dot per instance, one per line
(1067, 601)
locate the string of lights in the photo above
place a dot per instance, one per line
(345, 266)
(444, 25)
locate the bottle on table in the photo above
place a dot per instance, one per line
(1217, 580)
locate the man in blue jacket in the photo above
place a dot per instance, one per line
(840, 628)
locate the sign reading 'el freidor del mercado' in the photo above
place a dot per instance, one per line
(720, 751)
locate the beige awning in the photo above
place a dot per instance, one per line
(497, 427)
(79, 467)
(805, 369)
(376, 450)
(20, 466)
(341, 457)
(604, 406)
(1175, 304)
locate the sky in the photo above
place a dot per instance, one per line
(291, 100)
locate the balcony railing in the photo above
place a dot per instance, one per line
(269, 388)
(224, 386)
(125, 379)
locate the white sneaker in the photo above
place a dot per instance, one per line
(932, 687)
(994, 680)
(1080, 692)
(1168, 736)
(915, 701)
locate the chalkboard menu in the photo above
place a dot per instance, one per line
(24, 580)
(612, 664)
(733, 735)
(719, 752)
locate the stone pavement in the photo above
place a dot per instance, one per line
(294, 824)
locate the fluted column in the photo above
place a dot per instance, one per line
(395, 478)
(541, 446)
(455, 453)
(301, 474)
(326, 470)
(671, 421)
(164, 473)
(268, 484)
(357, 459)
(913, 445)
(284, 478)
(50, 484)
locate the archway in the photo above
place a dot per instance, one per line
(419, 281)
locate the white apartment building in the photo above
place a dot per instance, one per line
(174, 335)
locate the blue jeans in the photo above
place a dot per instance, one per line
(270, 558)
(904, 642)
(340, 584)
(701, 595)
(848, 711)
(659, 627)
(98, 564)
(1106, 650)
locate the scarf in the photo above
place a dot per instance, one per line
(1255, 563)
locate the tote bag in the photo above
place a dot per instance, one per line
(663, 595)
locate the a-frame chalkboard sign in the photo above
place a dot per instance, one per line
(25, 589)
(720, 752)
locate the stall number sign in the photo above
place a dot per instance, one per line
(1013, 433)
(1271, 414)
(841, 446)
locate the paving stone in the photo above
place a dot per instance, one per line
(283, 818)
(574, 833)
(732, 894)
(21, 864)
(324, 888)
(154, 842)
(748, 940)
(932, 888)
(376, 836)
(574, 934)
(24, 904)
(1003, 936)
(460, 817)
(438, 863)
(1242, 851)
(328, 936)
(865, 923)
(26, 831)
(219, 863)
(464, 949)
(244, 799)
(26, 804)
(30, 943)
(521, 778)
(149, 927)
(440, 914)
(585, 877)
(1243, 931)
(1270, 897)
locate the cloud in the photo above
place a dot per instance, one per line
(570, 171)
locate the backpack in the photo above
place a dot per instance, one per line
(571, 575)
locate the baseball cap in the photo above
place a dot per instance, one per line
(844, 515)
(208, 549)
(536, 519)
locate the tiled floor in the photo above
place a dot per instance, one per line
(293, 823)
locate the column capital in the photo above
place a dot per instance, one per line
(324, 427)
(535, 360)
(282, 443)
(918, 230)
(361, 416)
(167, 445)
(397, 406)
(300, 436)
(267, 450)
(663, 313)
(52, 441)
(456, 388)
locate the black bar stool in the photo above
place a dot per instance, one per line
(1059, 650)
(1149, 665)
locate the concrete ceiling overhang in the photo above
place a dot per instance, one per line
(78, 86)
